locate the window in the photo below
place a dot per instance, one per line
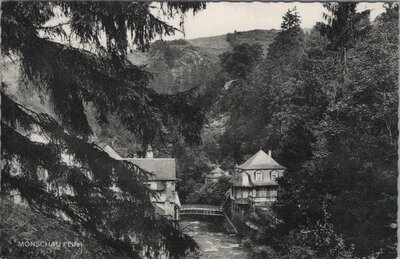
(274, 175)
(238, 193)
(258, 176)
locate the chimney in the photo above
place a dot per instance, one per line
(270, 153)
(149, 152)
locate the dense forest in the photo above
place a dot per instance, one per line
(325, 101)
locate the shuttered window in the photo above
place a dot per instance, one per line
(258, 176)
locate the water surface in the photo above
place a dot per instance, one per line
(213, 243)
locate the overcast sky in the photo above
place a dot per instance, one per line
(221, 18)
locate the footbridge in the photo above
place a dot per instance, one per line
(205, 210)
(201, 209)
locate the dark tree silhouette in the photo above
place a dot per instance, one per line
(344, 27)
(79, 61)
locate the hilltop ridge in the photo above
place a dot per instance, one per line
(179, 65)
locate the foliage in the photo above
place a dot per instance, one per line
(168, 50)
(344, 28)
(291, 20)
(347, 154)
(93, 206)
(345, 25)
(241, 60)
(104, 78)
(321, 238)
(191, 164)
(329, 134)
(266, 96)
(195, 160)
(20, 224)
(79, 62)
(261, 37)
(211, 193)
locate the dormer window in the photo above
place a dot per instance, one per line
(258, 176)
(274, 175)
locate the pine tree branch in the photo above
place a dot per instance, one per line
(52, 27)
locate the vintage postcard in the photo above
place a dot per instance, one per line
(199, 129)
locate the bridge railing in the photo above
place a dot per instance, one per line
(200, 207)
(203, 209)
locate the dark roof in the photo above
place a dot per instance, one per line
(162, 168)
(260, 161)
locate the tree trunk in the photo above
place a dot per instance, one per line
(344, 64)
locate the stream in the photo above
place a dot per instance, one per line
(213, 243)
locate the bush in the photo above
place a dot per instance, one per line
(22, 229)
(211, 193)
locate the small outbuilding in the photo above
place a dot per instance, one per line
(214, 175)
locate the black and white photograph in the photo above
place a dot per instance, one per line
(227, 130)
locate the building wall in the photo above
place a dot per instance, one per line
(266, 175)
(170, 209)
(167, 196)
(164, 189)
(255, 192)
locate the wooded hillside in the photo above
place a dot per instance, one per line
(325, 101)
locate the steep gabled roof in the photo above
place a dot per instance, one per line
(217, 170)
(162, 168)
(260, 160)
(109, 150)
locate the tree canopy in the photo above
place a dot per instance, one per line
(344, 27)
(82, 60)
(337, 138)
